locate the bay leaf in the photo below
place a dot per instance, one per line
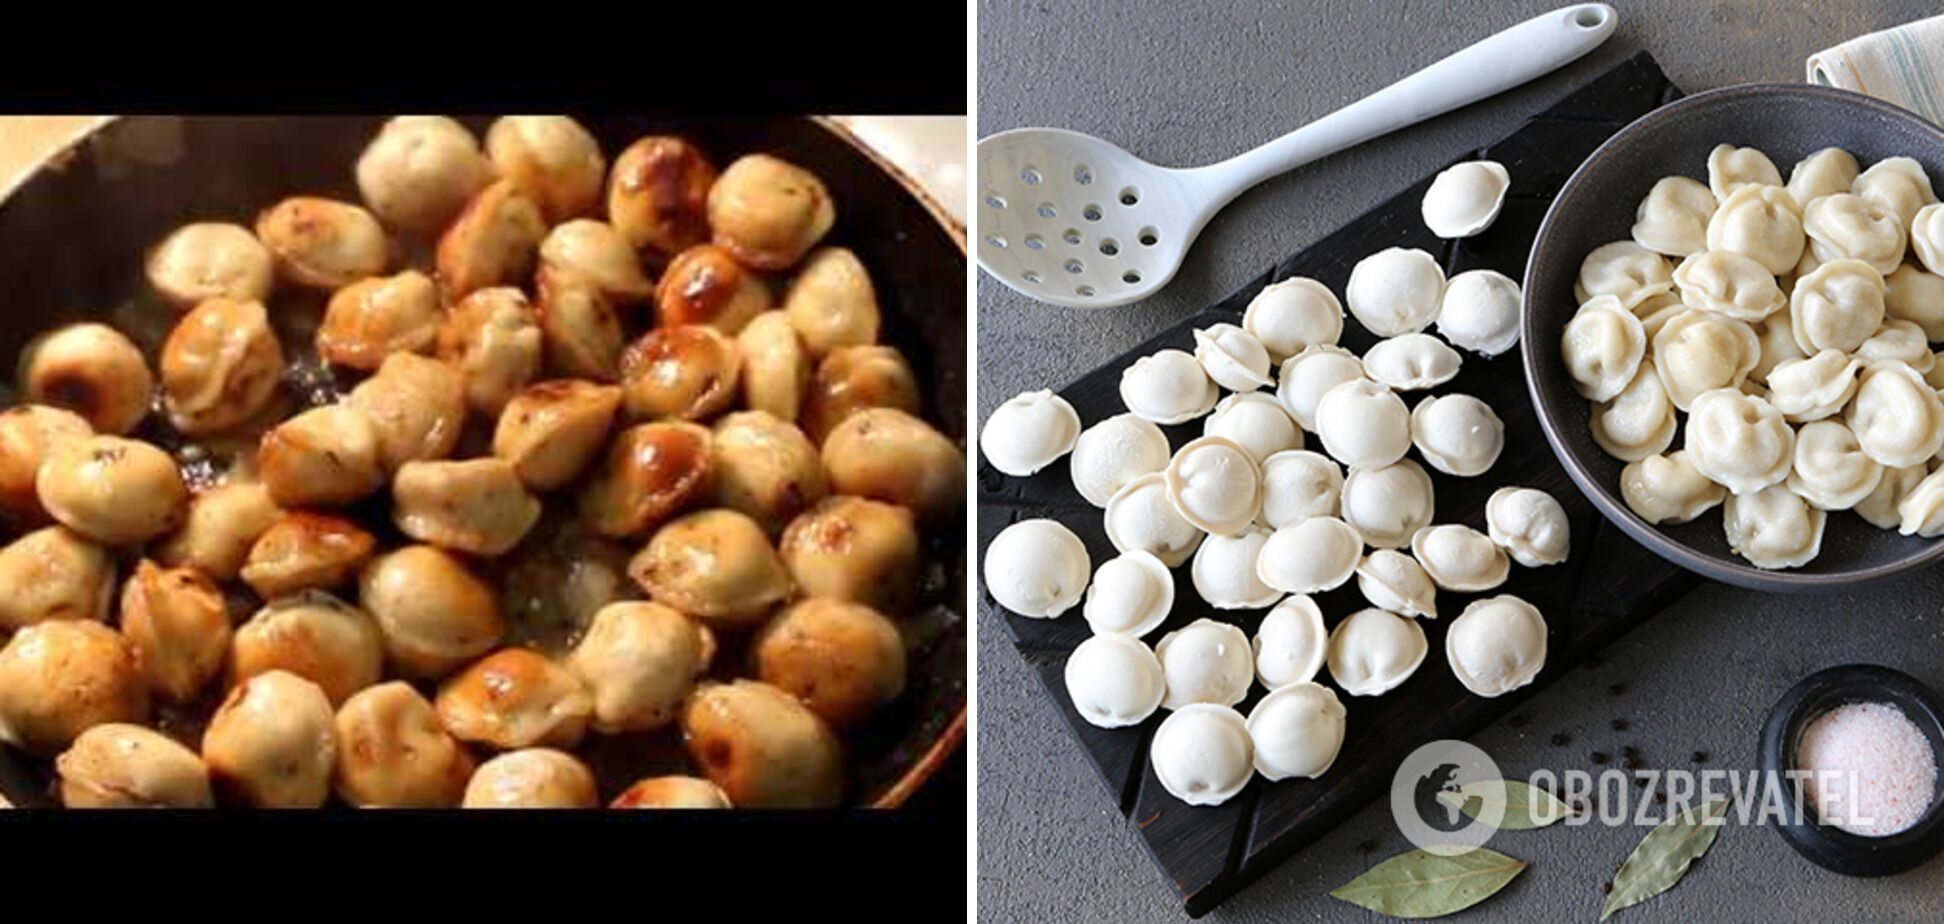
(1523, 806)
(1424, 885)
(1664, 856)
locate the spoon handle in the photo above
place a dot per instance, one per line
(1528, 50)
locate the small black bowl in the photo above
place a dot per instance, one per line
(1832, 849)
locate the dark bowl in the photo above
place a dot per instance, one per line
(1596, 206)
(72, 236)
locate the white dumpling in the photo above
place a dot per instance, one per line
(1394, 581)
(1656, 310)
(1363, 424)
(1776, 334)
(1668, 489)
(1831, 472)
(1114, 681)
(1898, 185)
(1602, 346)
(1760, 222)
(1529, 525)
(1293, 315)
(1699, 351)
(1896, 415)
(1232, 357)
(1813, 388)
(1921, 510)
(1773, 528)
(1496, 645)
(1141, 518)
(1372, 651)
(1205, 661)
(1673, 218)
(1411, 362)
(1168, 387)
(1224, 572)
(1927, 237)
(1458, 434)
(1313, 556)
(1916, 296)
(1739, 441)
(1297, 731)
(1845, 225)
(1395, 291)
(1464, 199)
(1898, 341)
(1298, 484)
(1308, 375)
(1639, 421)
(1202, 754)
(1882, 507)
(1037, 568)
(1290, 643)
(1480, 312)
(1029, 432)
(1215, 484)
(1388, 505)
(1824, 173)
(1460, 558)
(1731, 168)
(1132, 594)
(1624, 270)
(1113, 452)
(1256, 422)
(1729, 284)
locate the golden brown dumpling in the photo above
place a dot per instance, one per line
(768, 212)
(273, 742)
(658, 194)
(855, 549)
(306, 551)
(477, 506)
(418, 172)
(92, 370)
(767, 468)
(371, 319)
(492, 242)
(579, 328)
(843, 660)
(672, 792)
(776, 367)
(651, 471)
(551, 430)
(117, 765)
(210, 259)
(392, 753)
(852, 379)
(321, 243)
(705, 285)
(892, 456)
(515, 698)
(115, 491)
(63, 677)
(552, 159)
(26, 433)
(325, 457)
(832, 304)
(598, 253)
(434, 613)
(417, 407)
(491, 336)
(179, 626)
(763, 747)
(54, 573)
(638, 660)
(222, 523)
(220, 366)
(532, 778)
(684, 372)
(317, 637)
(716, 565)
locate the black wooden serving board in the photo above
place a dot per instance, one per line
(1608, 585)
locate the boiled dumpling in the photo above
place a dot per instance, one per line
(1308, 375)
(1882, 508)
(1898, 341)
(1624, 270)
(1293, 315)
(1845, 225)
(1202, 754)
(1739, 441)
(1457, 434)
(1215, 484)
(1837, 307)
(1896, 415)
(1460, 558)
(1729, 284)
(1029, 432)
(1372, 651)
(1205, 661)
(1411, 362)
(1394, 581)
(1480, 312)
(1363, 424)
(1824, 173)
(1298, 484)
(1395, 291)
(1831, 471)
(1232, 357)
(1639, 421)
(1731, 168)
(1668, 489)
(1290, 643)
(1464, 199)
(1224, 572)
(1921, 511)
(1529, 525)
(1656, 310)
(1916, 296)
(1602, 345)
(1131, 594)
(1496, 645)
(1297, 731)
(1256, 422)
(1673, 219)
(1168, 387)
(1140, 517)
(1113, 452)
(1761, 222)
(1773, 528)
(1776, 333)
(1114, 681)
(1037, 568)
(1698, 351)
(1898, 185)
(1927, 238)
(1388, 505)
(1814, 388)
(1314, 555)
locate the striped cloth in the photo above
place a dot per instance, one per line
(1903, 65)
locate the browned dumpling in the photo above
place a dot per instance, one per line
(92, 370)
(552, 159)
(117, 765)
(891, 456)
(515, 698)
(373, 318)
(210, 259)
(843, 660)
(769, 212)
(392, 753)
(855, 549)
(325, 457)
(551, 430)
(763, 747)
(302, 550)
(115, 491)
(317, 637)
(493, 338)
(687, 372)
(658, 194)
(561, 574)
(418, 172)
(776, 367)
(273, 742)
(26, 433)
(477, 506)
(417, 407)
(597, 252)
(852, 379)
(579, 328)
(651, 471)
(639, 660)
(705, 285)
(831, 302)
(63, 677)
(492, 242)
(434, 613)
(532, 778)
(672, 792)
(322, 243)
(220, 366)
(54, 573)
(176, 621)
(223, 522)
(716, 565)
(767, 468)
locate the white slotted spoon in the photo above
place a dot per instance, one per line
(1071, 219)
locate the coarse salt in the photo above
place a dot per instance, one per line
(1871, 770)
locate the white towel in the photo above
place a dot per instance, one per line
(1902, 65)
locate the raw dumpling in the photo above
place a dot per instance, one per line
(1388, 505)
(1297, 731)
(1363, 424)
(1037, 568)
(1395, 291)
(1898, 341)
(1916, 296)
(1411, 362)
(1394, 581)
(1731, 168)
(1131, 594)
(1698, 351)
(1460, 558)
(1232, 357)
(1881, 507)
(1831, 472)
(1898, 185)
(1773, 528)
(1896, 415)
(1308, 375)
(1113, 452)
(1313, 556)
(1813, 388)
(1639, 421)
(1457, 434)
(1298, 484)
(1140, 517)
(1777, 336)
(1496, 645)
(1845, 225)
(1372, 651)
(1114, 681)
(1205, 661)
(1824, 173)
(1464, 199)
(1256, 422)
(1202, 754)
(1739, 441)
(1529, 525)
(1029, 432)
(1290, 643)
(1168, 387)
(1729, 284)
(1673, 219)
(1927, 238)
(1293, 315)
(1921, 511)
(1480, 312)
(1761, 222)
(1224, 572)
(1602, 345)
(1624, 270)
(1668, 489)
(1216, 485)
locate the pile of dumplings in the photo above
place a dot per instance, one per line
(1261, 521)
(1794, 332)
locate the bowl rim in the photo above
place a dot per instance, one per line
(1734, 572)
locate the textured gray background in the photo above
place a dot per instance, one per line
(1183, 83)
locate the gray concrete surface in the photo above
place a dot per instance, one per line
(1187, 83)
